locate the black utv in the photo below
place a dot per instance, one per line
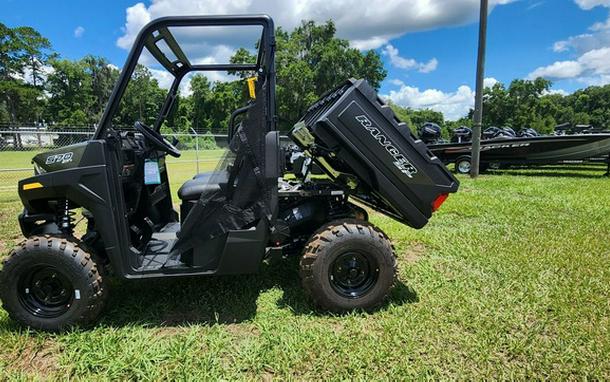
(230, 219)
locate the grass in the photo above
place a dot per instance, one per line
(510, 280)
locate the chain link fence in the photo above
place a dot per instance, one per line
(19, 144)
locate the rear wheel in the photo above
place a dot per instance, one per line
(51, 283)
(348, 265)
(463, 165)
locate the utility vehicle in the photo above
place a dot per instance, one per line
(230, 219)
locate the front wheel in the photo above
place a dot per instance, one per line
(348, 265)
(51, 283)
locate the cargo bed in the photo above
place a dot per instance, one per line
(359, 142)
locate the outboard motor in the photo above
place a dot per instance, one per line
(429, 133)
(491, 132)
(508, 132)
(563, 129)
(461, 134)
(494, 132)
(584, 129)
(528, 133)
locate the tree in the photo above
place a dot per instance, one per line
(224, 98)
(79, 90)
(102, 77)
(23, 51)
(67, 86)
(35, 52)
(202, 91)
(312, 60)
(142, 100)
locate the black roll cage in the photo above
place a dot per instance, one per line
(157, 30)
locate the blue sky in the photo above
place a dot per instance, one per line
(428, 46)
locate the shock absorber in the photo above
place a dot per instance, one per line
(66, 219)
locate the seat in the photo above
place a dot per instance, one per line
(202, 183)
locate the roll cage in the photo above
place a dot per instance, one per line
(158, 31)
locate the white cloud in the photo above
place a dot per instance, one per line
(453, 105)
(601, 26)
(408, 63)
(535, 5)
(558, 70)
(590, 4)
(429, 66)
(27, 75)
(163, 77)
(137, 17)
(597, 60)
(489, 82)
(367, 25)
(599, 80)
(556, 91)
(79, 31)
(592, 67)
(585, 42)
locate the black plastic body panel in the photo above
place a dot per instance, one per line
(357, 133)
(92, 183)
(244, 250)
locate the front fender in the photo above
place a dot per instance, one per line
(91, 186)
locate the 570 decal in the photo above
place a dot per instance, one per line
(60, 158)
(400, 161)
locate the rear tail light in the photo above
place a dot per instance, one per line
(438, 202)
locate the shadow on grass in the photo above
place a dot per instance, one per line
(215, 300)
(209, 300)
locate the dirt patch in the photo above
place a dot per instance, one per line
(242, 330)
(35, 359)
(267, 375)
(414, 253)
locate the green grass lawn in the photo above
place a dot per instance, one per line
(511, 279)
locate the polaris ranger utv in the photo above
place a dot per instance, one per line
(229, 219)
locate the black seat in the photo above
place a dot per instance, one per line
(202, 183)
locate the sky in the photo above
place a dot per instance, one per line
(428, 47)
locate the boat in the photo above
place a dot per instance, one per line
(502, 147)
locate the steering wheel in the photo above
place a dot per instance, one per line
(157, 139)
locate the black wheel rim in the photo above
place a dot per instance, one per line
(353, 274)
(45, 292)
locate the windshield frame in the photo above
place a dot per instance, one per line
(264, 65)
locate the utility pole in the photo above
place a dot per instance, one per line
(478, 100)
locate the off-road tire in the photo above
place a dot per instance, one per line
(334, 240)
(75, 264)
